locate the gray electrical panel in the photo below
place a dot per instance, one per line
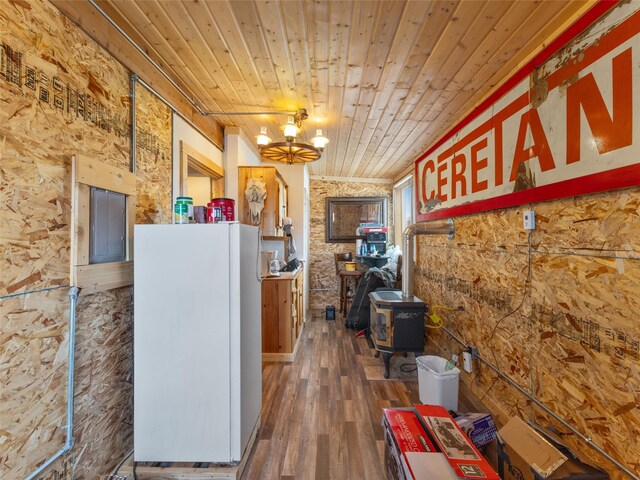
(108, 220)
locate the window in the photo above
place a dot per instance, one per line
(103, 209)
(403, 206)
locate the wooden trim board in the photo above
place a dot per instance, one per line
(103, 276)
(190, 157)
(86, 173)
(189, 470)
(95, 173)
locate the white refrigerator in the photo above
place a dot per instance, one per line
(197, 341)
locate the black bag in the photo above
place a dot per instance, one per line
(358, 315)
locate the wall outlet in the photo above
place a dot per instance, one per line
(529, 219)
(466, 362)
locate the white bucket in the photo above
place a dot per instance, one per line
(438, 382)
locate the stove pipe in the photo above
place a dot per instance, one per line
(434, 228)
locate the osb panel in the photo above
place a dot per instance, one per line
(604, 224)
(153, 159)
(104, 383)
(323, 282)
(33, 379)
(565, 332)
(34, 219)
(62, 94)
(59, 95)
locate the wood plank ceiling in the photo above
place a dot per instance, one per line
(383, 79)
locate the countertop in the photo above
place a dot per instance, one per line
(284, 275)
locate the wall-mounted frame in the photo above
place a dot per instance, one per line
(343, 215)
(87, 173)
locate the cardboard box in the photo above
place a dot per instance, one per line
(409, 453)
(462, 455)
(479, 427)
(528, 454)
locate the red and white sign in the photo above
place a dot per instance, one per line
(567, 124)
(462, 455)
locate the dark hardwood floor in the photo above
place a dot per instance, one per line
(321, 414)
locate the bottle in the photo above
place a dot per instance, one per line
(364, 249)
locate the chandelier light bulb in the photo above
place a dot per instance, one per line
(289, 150)
(290, 130)
(263, 139)
(319, 141)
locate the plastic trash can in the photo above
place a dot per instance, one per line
(438, 380)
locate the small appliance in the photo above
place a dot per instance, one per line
(270, 263)
(376, 238)
(274, 267)
(291, 266)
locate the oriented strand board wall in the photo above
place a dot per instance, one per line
(33, 380)
(153, 159)
(567, 332)
(60, 94)
(104, 384)
(323, 283)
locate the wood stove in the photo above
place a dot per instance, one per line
(397, 324)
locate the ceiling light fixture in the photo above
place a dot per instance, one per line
(291, 151)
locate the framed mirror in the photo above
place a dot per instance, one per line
(345, 214)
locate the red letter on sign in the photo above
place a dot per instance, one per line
(442, 182)
(609, 132)
(478, 164)
(429, 165)
(540, 147)
(457, 175)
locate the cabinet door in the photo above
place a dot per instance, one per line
(270, 316)
(268, 216)
(294, 311)
(300, 300)
(285, 344)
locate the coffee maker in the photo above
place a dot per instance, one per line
(270, 263)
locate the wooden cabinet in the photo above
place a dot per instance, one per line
(275, 204)
(282, 316)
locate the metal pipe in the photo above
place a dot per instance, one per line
(173, 83)
(173, 109)
(132, 93)
(68, 444)
(539, 404)
(439, 228)
(274, 112)
(146, 56)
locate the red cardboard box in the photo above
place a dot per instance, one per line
(463, 456)
(409, 453)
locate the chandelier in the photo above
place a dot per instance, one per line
(291, 151)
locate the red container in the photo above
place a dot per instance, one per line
(226, 206)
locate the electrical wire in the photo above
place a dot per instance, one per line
(259, 255)
(527, 286)
(435, 318)
(115, 470)
(408, 370)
